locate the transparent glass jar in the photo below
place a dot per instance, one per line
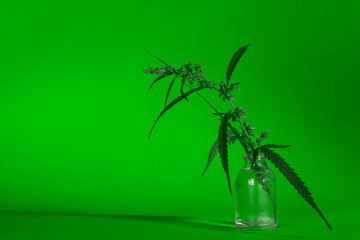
(255, 195)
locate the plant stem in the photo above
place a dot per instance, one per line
(232, 105)
(232, 129)
(241, 123)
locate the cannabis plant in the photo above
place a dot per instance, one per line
(191, 76)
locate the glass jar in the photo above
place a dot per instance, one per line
(255, 195)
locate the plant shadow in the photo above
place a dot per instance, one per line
(193, 222)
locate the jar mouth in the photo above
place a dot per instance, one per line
(259, 157)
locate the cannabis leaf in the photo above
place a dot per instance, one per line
(225, 137)
(169, 89)
(222, 138)
(159, 78)
(292, 177)
(214, 149)
(175, 101)
(276, 146)
(234, 60)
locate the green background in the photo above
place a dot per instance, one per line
(76, 110)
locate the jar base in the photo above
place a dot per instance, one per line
(254, 225)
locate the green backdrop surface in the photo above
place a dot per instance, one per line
(76, 110)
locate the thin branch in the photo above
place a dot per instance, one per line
(218, 90)
(204, 99)
(155, 57)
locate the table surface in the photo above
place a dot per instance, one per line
(96, 226)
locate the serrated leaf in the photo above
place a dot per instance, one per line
(292, 177)
(168, 92)
(276, 146)
(214, 149)
(222, 138)
(234, 60)
(159, 78)
(175, 101)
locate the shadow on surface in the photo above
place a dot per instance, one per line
(193, 222)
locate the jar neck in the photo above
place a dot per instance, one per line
(259, 164)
